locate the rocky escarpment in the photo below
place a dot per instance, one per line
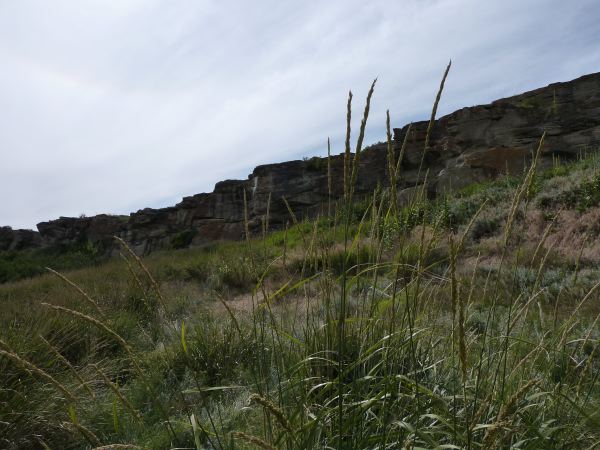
(468, 145)
(479, 142)
(18, 239)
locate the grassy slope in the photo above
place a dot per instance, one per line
(17, 265)
(384, 334)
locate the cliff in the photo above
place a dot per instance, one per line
(468, 145)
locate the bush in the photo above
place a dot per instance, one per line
(219, 353)
(236, 274)
(183, 239)
(484, 227)
(590, 193)
(315, 164)
(16, 265)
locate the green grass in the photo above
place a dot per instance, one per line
(16, 265)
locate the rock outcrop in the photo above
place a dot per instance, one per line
(479, 142)
(69, 231)
(18, 239)
(468, 145)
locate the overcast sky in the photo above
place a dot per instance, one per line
(112, 106)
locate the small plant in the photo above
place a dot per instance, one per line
(590, 193)
(485, 227)
(580, 195)
(315, 164)
(183, 239)
(529, 103)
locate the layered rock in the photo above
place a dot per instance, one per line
(18, 239)
(469, 145)
(479, 142)
(71, 231)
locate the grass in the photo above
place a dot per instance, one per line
(459, 322)
(16, 265)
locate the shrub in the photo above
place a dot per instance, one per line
(219, 352)
(485, 227)
(315, 164)
(183, 239)
(235, 273)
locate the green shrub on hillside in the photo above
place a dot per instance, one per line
(183, 239)
(315, 164)
(16, 265)
(579, 194)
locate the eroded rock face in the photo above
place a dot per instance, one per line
(469, 145)
(74, 230)
(18, 239)
(484, 141)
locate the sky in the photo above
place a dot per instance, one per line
(113, 106)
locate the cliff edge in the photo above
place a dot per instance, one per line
(469, 145)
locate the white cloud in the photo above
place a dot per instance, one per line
(115, 106)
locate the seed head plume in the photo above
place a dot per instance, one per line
(361, 136)
(347, 145)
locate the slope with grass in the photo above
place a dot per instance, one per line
(466, 321)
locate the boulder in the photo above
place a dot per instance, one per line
(18, 239)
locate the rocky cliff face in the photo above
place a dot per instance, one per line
(469, 145)
(479, 142)
(18, 239)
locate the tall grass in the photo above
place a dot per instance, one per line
(374, 327)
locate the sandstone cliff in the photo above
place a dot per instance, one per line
(468, 145)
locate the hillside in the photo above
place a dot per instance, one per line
(464, 320)
(473, 144)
